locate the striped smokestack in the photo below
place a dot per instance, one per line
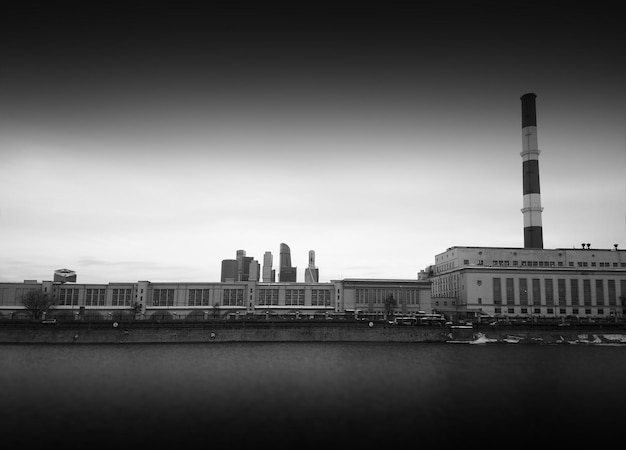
(533, 231)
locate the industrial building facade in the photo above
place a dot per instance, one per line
(514, 282)
(145, 300)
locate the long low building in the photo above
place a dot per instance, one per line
(232, 300)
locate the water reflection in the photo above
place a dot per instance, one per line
(306, 394)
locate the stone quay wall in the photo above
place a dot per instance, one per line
(225, 331)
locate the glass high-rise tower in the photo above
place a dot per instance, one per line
(287, 273)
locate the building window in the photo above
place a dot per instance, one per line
(510, 291)
(612, 293)
(294, 297)
(587, 292)
(320, 297)
(562, 293)
(121, 297)
(523, 291)
(574, 292)
(268, 297)
(94, 297)
(198, 297)
(600, 292)
(163, 297)
(536, 291)
(497, 291)
(232, 297)
(549, 288)
(68, 297)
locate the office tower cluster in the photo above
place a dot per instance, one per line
(243, 268)
(246, 268)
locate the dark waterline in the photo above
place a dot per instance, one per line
(304, 395)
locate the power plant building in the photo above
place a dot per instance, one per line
(471, 282)
(529, 282)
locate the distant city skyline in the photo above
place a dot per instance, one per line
(153, 144)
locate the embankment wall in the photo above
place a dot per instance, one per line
(284, 332)
(219, 333)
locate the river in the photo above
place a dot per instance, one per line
(309, 395)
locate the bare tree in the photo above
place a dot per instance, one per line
(136, 310)
(390, 304)
(36, 303)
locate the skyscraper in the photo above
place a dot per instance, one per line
(229, 270)
(242, 263)
(311, 274)
(253, 270)
(269, 274)
(287, 273)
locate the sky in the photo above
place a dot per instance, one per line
(153, 143)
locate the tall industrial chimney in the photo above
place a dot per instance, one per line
(533, 231)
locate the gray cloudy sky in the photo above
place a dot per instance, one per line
(151, 145)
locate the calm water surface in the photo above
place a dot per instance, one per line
(306, 395)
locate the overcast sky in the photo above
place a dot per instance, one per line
(153, 144)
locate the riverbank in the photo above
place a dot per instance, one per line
(292, 331)
(218, 332)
